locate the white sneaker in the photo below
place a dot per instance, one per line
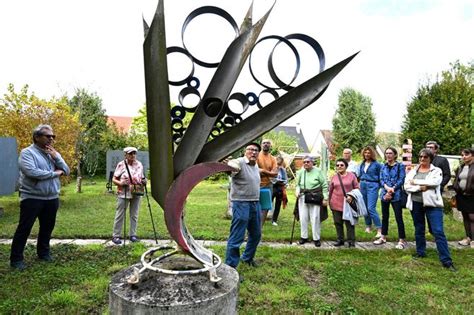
(379, 235)
(274, 224)
(465, 242)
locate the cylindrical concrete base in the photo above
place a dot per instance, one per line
(159, 293)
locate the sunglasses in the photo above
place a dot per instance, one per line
(50, 136)
(307, 162)
(340, 165)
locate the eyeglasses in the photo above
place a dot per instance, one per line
(133, 152)
(307, 162)
(388, 153)
(50, 136)
(423, 156)
(340, 165)
(430, 147)
(252, 149)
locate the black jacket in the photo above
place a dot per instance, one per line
(443, 164)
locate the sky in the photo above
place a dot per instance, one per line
(57, 46)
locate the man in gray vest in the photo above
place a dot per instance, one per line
(244, 194)
(40, 168)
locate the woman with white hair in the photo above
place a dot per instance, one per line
(129, 178)
(310, 182)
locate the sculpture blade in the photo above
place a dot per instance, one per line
(158, 106)
(272, 115)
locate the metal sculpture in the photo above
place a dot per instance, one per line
(174, 174)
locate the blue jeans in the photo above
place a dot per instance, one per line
(245, 216)
(370, 193)
(435, 218)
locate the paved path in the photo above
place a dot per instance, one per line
(324, 244)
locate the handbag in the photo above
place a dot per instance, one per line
(135, 189)
(353, 202)
(312, 196)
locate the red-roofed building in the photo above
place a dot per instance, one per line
(123, 123)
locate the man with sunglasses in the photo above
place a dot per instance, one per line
(40, 168)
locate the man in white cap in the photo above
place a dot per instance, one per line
(129, 178)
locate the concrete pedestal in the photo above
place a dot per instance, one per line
(159, 293)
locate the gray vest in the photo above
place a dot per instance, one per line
(245, 185)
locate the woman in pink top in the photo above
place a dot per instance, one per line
(336, 201)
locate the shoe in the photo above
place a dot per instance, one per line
(368, 229)
(352, 244)
(317, 243)
(401, 245)
(338, 243)
(134, 239)
(274, 224)
(378, 235)
(18, 265)
(302, 241)
(465, 242)
(116, 240)
(46, 258)
(450, 267)
(418, 256)
(251, 263)
(380, 241)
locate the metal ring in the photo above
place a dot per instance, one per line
(185, 92)
(242, 99)
(252, 98)
(204, 10)
(269, 91)
(178, 112)
(177, 124)
(149, 265)
(280, 84)
(196, 84)
(176, 49)
(308, 40)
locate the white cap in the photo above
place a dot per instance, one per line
(130, 149)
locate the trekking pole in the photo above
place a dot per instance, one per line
(293, 230)
(151, 215)
(125, 217)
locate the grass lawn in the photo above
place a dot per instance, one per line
(289, 280)
(91, 214)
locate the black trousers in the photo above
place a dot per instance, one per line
(339, 223)
(278, 197)
(398, 210)
(30, 209)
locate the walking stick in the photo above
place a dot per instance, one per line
(125, 216)
(294, 221)
(151, 215)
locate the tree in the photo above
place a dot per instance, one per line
(21, 112)
(281, 141)
(90, 149)
(442, 111)
(354, 121)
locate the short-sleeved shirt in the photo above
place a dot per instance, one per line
(136, 171)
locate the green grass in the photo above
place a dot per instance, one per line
(91, 214)
(288, 280)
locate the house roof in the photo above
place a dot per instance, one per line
(294, 132)
(123, 123)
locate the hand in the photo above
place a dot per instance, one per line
(390, 190)
(349, 199)
(124, 182)
(423, 188)
(59, 172)
(51, 151)
(325, 202)
(144, 181)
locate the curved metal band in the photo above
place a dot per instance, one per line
(207, 10)
(185, 92)
(176, 49)
(242, 99)
(280, 84)
(272, 92)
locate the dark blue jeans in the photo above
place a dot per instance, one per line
(30, 209)
(435, 218)
(397, 209)
(245, 216)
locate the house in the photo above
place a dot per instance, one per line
(323, 141)
(123, 123)
(294, 131)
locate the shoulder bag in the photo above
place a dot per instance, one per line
(135, 189)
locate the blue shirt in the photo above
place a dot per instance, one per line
(372, 174)
(392, 176)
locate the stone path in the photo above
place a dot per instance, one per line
(324, 244)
